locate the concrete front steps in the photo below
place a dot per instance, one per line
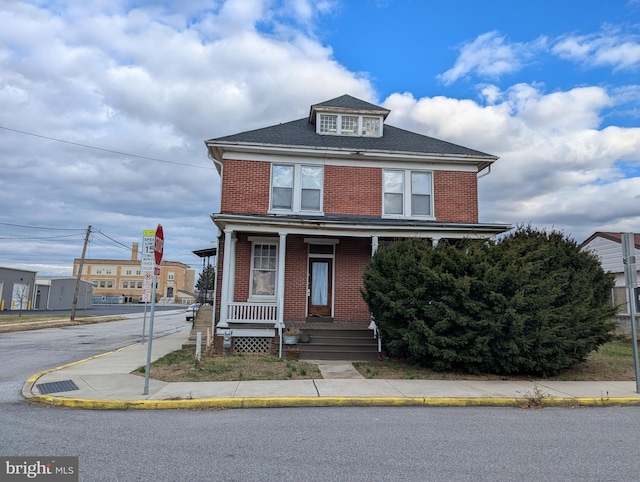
(202, 323)
(338, 341)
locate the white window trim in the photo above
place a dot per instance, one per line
(296, 202)
(263, 298)
(406, 196)
(338, 131)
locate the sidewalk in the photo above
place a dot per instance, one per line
(105, 382)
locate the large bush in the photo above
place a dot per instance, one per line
(532, 303)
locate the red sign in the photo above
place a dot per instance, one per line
(158, 245)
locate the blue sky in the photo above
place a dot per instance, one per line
(104, 106)
(410, 45)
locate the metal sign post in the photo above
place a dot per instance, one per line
(630, 273)
(157, 253)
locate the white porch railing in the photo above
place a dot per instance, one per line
(252, 313)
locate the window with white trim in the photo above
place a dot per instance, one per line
(407, 193)
(349, 125)
(264, 269)
(296, 188)
(371, 126)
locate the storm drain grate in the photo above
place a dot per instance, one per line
(55, 387)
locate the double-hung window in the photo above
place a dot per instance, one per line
(264, 268)
(407, 193)
(296, 188)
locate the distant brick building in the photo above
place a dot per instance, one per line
(118, 281)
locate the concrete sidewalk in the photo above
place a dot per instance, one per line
(105, 382)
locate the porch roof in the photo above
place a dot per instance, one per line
(355, 226)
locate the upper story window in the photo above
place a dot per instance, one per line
(296, 188)
(349, 125)
(407, 193)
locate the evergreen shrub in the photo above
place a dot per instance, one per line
(532, 303)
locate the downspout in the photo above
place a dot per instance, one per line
(372, 325)
(488, 168)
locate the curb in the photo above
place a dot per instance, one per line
(290, 402)
(31, 381)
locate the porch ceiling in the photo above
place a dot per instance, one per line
(354, 226)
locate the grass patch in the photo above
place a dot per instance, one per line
(613, 361)
(180, 366)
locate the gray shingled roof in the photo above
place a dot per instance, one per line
(348, 102)
(301, 133)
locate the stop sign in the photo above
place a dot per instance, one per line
(158, 245)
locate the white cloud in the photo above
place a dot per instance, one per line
(610, 47)
(153, 82)
(557, 165)
(491, 56)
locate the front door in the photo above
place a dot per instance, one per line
(320, 287)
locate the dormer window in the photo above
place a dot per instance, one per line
(349, 125)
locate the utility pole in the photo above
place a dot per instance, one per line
(75, 294)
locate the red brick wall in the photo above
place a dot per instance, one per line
(347, 190)
(353, 190)
(295, 279)
(352, 255)
(455, 195)
(245, 187)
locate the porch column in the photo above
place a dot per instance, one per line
(435, 241)
(282, 246)
(374, 245)
(227, 274)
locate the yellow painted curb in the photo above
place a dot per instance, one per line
(31, 381)
(281, 402)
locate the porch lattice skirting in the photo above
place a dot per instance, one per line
(247, 344)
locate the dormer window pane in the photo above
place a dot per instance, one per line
(349, 126)
(371, 126)
(328, 124)
(282, 195)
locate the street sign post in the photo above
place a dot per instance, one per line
(631, 279)
(158, 249)
(148, 244)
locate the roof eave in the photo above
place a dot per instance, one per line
(218, 150)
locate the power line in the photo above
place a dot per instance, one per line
(117, 242)
(43, 227)
(39, 238)
(86, 146)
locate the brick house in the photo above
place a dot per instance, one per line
(305, 204)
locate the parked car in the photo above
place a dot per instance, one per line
(192, 310)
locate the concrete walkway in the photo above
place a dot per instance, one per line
(105, 382)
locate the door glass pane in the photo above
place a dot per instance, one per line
(319, 283)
